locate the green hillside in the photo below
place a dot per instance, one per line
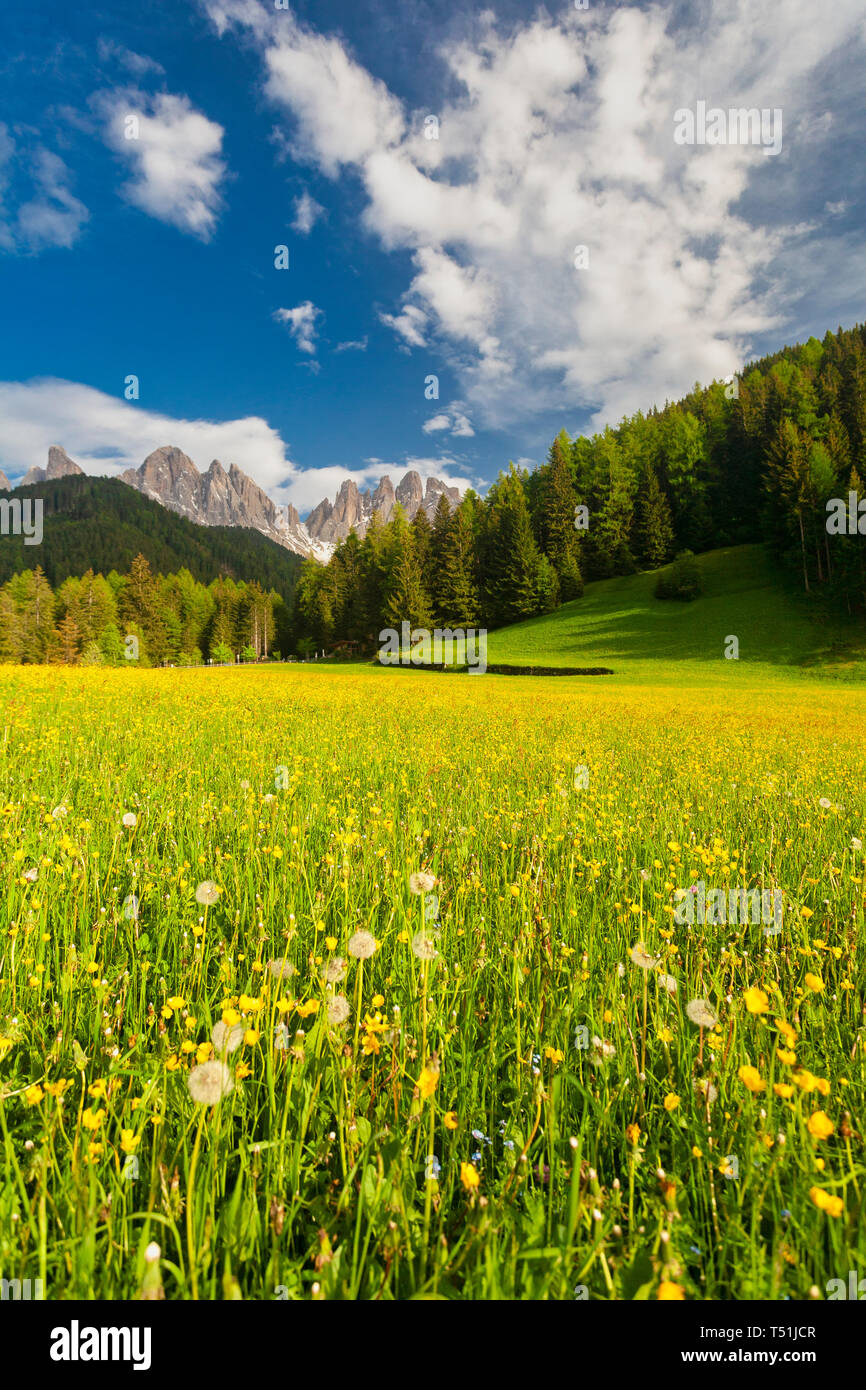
(102, 524)
(620, 624)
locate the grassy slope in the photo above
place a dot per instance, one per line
(620, 624)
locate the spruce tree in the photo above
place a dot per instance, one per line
(656, 529)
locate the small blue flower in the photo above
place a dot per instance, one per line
(477, 1134)
(509, 1143)
(476, 1157)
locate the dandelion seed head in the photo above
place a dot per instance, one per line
(362, 945)
(281, 968)
(701, 1013)
(209, 1082)
(338, 1009)
(226, 1038)
(421, 883)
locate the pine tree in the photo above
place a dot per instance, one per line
(511, 556)
(406, 599)
(68, 640)
(557, 501)
(656, 527)
(456, 597)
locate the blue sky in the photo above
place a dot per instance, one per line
(257, 127)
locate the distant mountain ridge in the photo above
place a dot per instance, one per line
(353, 509)
(102, 524)
(231, 498)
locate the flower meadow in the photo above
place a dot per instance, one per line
(333, 984)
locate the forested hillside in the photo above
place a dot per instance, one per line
(102, 524)
(753, 459)
(172, 617)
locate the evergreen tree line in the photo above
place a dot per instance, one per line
(174, 618)
(756, 458)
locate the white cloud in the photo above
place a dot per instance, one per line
(301, 323)
(107, 434)
(558, 131)
(410, 325)
(353, 345)
(174, 152)
(452, 420)
(307, 213)
(52, 216)
(112, 52)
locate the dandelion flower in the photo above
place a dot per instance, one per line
(756, 1001)
(421, 883)
(669, 1292)
(427, 1082)
(449, 1119)
(671, 1101)
(469, 1176)
(640, 956)
(207, 893)
(824, 803)
(668, 982)
(130, 820)
(31, 875)
(209, 1082)
(362, 945)
(824, 1201)
(855, 843)
(226, 1038)
(700, 1012)
(815, 983)
(820, 1126)
(338, 1009)
(751, 1078)
(60, 811)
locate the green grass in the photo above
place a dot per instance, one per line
(310, 796)
(620, 624)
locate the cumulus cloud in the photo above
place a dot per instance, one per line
(410, 325)
(51, 216)
(307, 214)
(557, 132)
(452, 420)
(107, 434)
(175, 155)
(301, 323)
